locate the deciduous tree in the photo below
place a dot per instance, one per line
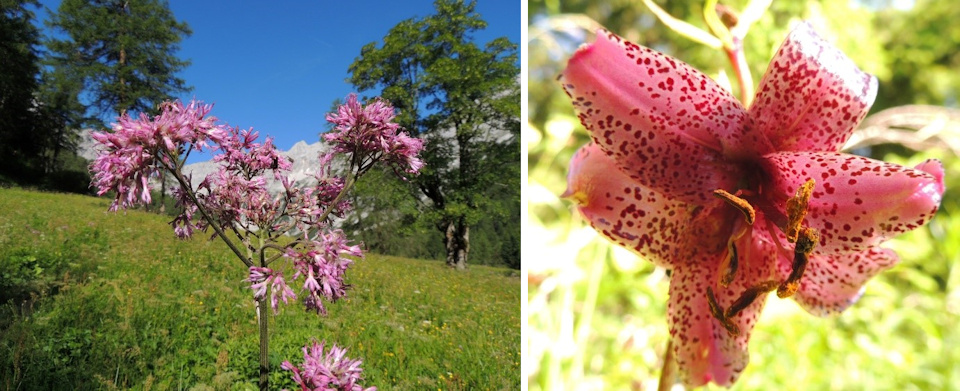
(463, 100)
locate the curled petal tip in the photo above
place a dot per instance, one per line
(570, 194)
(935, 168)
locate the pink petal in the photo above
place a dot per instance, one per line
(658, 116)
(857, 202)
(933, 167)
(812, 96)
(704, 350)
(627, 213)
(830, 284)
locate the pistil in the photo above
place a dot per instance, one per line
(729, 265)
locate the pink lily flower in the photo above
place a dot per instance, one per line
(739, 202)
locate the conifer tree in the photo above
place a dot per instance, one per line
(121, 51)
(21, 138)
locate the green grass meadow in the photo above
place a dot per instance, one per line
(99, 300)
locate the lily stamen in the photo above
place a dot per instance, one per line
(748, 297)
(717, 311)
(806, 241)
(797, 210)
(741, 204)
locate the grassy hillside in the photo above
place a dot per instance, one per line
(99, 300)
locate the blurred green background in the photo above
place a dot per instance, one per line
(595, 312)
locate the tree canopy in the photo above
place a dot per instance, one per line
(463, 100)
(21, 144)
(122, 53)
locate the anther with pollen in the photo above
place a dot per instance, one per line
(797, 210)
(748, 213)
(749, 296)
(717, 311)
(746, 298)
(806, 241)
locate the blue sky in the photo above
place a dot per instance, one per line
(277, 66)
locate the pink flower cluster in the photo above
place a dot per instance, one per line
(237, 193)
(321, 262)
(235, 200)
(327, 371)
(261, 277)
(247, 158)
(369, 133)
(323, 268)
(236, 203)
(329, 187)
(140, 147)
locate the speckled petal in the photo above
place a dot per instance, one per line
(704, 350)
(857, 202)
(627, 213)
(658, 116)
(812, 96)
(830, 284)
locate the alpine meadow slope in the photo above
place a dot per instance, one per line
(94, 299)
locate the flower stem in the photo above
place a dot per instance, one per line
(261, 302)
(352, 176)
(206, 216)
(264, 342)
(669, 367)
(739, 62)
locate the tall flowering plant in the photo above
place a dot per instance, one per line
(234, 202)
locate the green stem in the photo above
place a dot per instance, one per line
(282, 250)
(669, 367)
(585, 323)
(264, 338)
(264, 343)
(193, 197)
(347, 184)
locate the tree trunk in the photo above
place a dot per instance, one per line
(52, 163)
(163, 192)
(457, 241)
